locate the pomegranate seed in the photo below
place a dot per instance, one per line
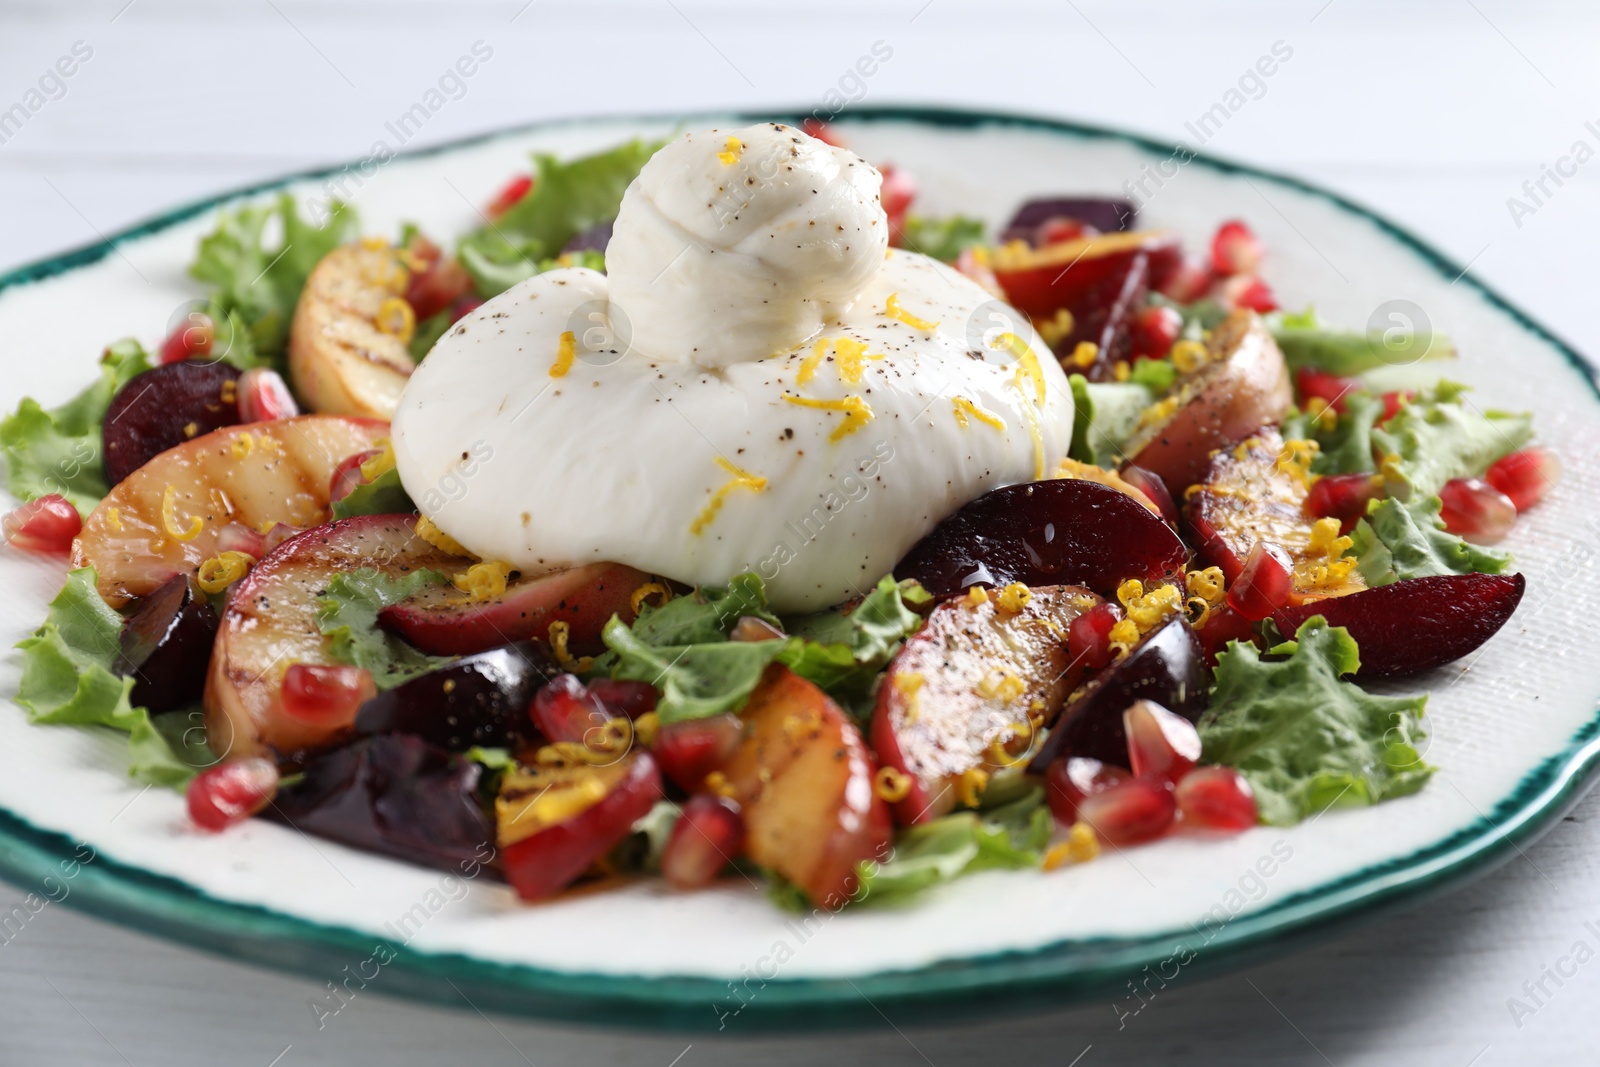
(704, 840)
(1331, 389)
(326, 694)
(1217, 798)
(822, 132)
(463, 307)
(1343, 496)
(1477, 511)
(1153, 332)
(1248, 291)
(193, 338)
(564, 710)
(896, 194)
(264, 396)
(48, 524)
(688, 751)
(1525, 476)
(1161, 744)
(1061, 230)
(1089, 636)
(630, 699)
(509, 194)
(1069, 781)
(1395, 400)
(237, 537)
(1264, 584)
(280, 532)
(1235, 249)
(1222, 625)
(1130, 812)
(1189, 282)
(347, 475)
(230, 793)
(1153, 488)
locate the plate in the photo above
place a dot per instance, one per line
(1515, 730)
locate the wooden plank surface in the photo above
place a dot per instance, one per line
(1433, 113)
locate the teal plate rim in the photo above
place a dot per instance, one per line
(1050, 976)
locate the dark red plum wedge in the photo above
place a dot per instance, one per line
(481, 700)
(166, 646)
(1062, 532)
(1419, 623)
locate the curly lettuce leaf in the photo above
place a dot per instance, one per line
(1305, 738)
(682, 647)
(57, 450)
(1437, 437)
(1306, 342)
(347, 612)
(943, 239)
(1347, 448)
(1398, 540)
(567, 198)
(1105, 417)
(1012, 836)
(255, 282)
(68, 680)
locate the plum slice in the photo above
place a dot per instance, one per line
(163, 407)
(1419, 623)
(1244, 384)
(1167, 666)
(1247, 497)
(398, 796)
(1105, 214)
(804, 778)
(555, 821)
(442, 622)
(166, 646)
(965, 695)
(270, 623)
(481, 700)
(1059, 532)
(179, 509)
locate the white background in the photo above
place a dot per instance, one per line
(1434, 114)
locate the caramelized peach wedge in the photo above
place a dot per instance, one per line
(347, 346)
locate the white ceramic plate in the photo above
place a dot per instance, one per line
(1514, 729)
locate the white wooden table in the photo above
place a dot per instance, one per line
(1435, 114)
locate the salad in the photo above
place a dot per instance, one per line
(710, 510)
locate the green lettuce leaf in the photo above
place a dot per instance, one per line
(347, 612)
(1347, 448)
(708, 614)
(944, 239)
(57, 450)
(1437, 437)
(1105, 417)
(384, 495)
(1305, 342)
(844, 652)
(567, 198)
(695, 681)
(1305, 738)
(254, 284)
(1398, 540)
(1012, 836)
(68, 679)
(1156, 375)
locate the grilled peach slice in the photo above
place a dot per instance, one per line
(348, 350)
(1251, 492)
(438, 620)
(966, 695)
(168, 517)
(804, 779)
(1244, 384)
(270, 623)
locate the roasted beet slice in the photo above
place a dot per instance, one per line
(1102, 213)
(1062, 532)
(480, 700)
(1416, 624)
(395, 795)
(163, 407)
(166, 646)
(1167, 667)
